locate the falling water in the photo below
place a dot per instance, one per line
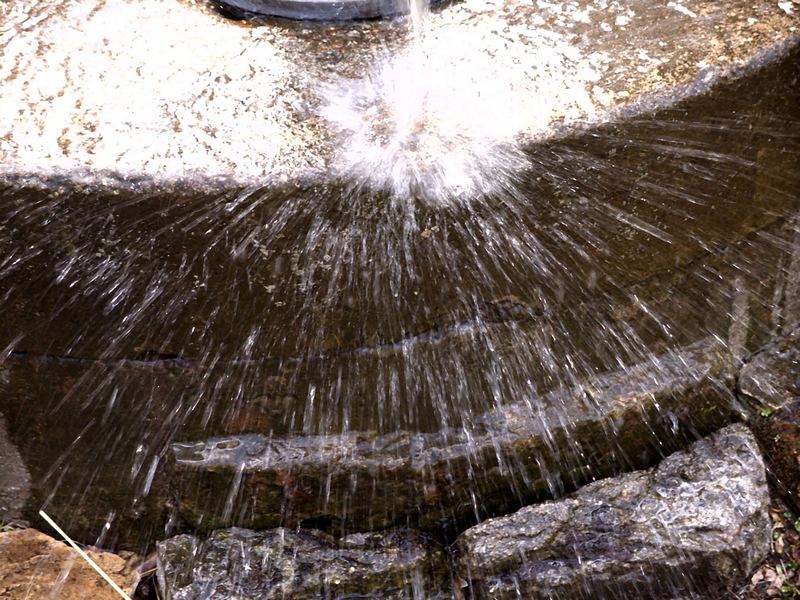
(417, 10)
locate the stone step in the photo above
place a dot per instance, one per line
(285, 563)
(145, 404)
(693, 526)
(34, 565)
(596, 211)
(511, 455)
(696, 524)
(278, 290)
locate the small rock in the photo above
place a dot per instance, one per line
(304, 564)
(771, 377)
(697, 521)
(34, 565)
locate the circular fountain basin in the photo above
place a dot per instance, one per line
(292, 234)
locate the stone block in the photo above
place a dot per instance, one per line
(696, 524)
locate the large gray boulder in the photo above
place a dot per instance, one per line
(237, 564)
(695, 523)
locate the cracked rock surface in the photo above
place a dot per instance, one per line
(697, 521)
(282, 563)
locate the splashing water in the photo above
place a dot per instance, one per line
(449, 289)
(418, 127)
(440, 120)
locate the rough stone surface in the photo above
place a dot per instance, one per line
(771, 377)
(49, 399)
(696, 522)
(135, 482)
(15, 480)
(239, 564)
(240, 102)
(34, 565)
(515, 453)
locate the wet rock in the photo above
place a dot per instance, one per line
(109, 253)
(509, 456)
(191, 276)
(697, 522)
(15, 481)
(771, 378)
(300, 564)
(34, 565)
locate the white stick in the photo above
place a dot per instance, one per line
(85, 556)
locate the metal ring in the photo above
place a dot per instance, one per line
(313, 10)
